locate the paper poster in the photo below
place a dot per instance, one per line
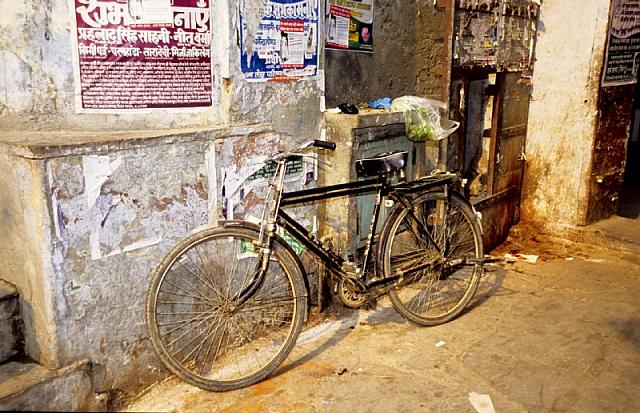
(285, 45)
(133, 55)
(349, 25)
(623, 49)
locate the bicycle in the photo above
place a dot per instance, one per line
(226, 305)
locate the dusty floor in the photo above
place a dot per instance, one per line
(561, 335)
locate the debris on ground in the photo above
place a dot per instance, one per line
(440, 344)
(481, 402)
(531, 259)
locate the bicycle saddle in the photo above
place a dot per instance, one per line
(381, 164)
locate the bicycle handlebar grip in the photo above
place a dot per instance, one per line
(324, 144)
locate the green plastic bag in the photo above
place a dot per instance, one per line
(423, 118)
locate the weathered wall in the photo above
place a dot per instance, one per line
(24, 258)
(563, 111)
(82, 243)
(432, 52)
(37, 83)
(389, 71)
(114, 216)
(408, 56)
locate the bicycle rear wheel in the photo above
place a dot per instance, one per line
(427, 246)
(202, 331)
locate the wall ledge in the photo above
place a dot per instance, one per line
(56, 144)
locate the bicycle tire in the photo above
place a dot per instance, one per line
(438, 293)
(190, 309)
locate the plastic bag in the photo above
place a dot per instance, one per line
(423, 118)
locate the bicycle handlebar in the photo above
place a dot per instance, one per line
(324, 144)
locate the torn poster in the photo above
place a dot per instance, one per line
(285, 40)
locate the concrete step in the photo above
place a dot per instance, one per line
(11, 341)
(616, 233)
(30, 386)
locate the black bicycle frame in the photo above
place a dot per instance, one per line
(379, 185)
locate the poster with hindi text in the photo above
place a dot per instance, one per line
(349, 25)
(622, 59)
(133, 55)
(283, 44)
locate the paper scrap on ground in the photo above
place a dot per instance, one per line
(531, 259)
(481, 402)
(440, 344)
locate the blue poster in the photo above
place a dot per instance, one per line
(285, 41)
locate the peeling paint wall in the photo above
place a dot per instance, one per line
(37, 81)
(83, 241)
(115, 216)
(562, 118)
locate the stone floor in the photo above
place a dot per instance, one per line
(560, 335)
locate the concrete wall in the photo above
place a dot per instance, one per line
(407, 59)
(85, 225)
(25, 259)
(562, 118)
(432, 50)
(37, 83)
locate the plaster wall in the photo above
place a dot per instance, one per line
(432, 50)
(24, 258)
(562, 116)
(83, 239)
(37, 80)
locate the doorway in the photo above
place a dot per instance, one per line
(630, 193)
(493, 109)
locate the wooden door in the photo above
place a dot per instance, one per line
(500, 208)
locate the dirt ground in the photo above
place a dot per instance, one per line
(560, 335)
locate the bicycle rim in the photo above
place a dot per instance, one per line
(437, 234)
(200, 329)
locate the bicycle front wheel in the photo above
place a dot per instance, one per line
(213, 321)
(428, 248)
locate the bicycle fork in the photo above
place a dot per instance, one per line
(267, 232)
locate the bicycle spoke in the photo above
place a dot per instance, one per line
(178, 327)
(198, 348)
(199, 294)
(432, 291)
(198, 330)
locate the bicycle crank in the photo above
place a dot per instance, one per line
(351, 293)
